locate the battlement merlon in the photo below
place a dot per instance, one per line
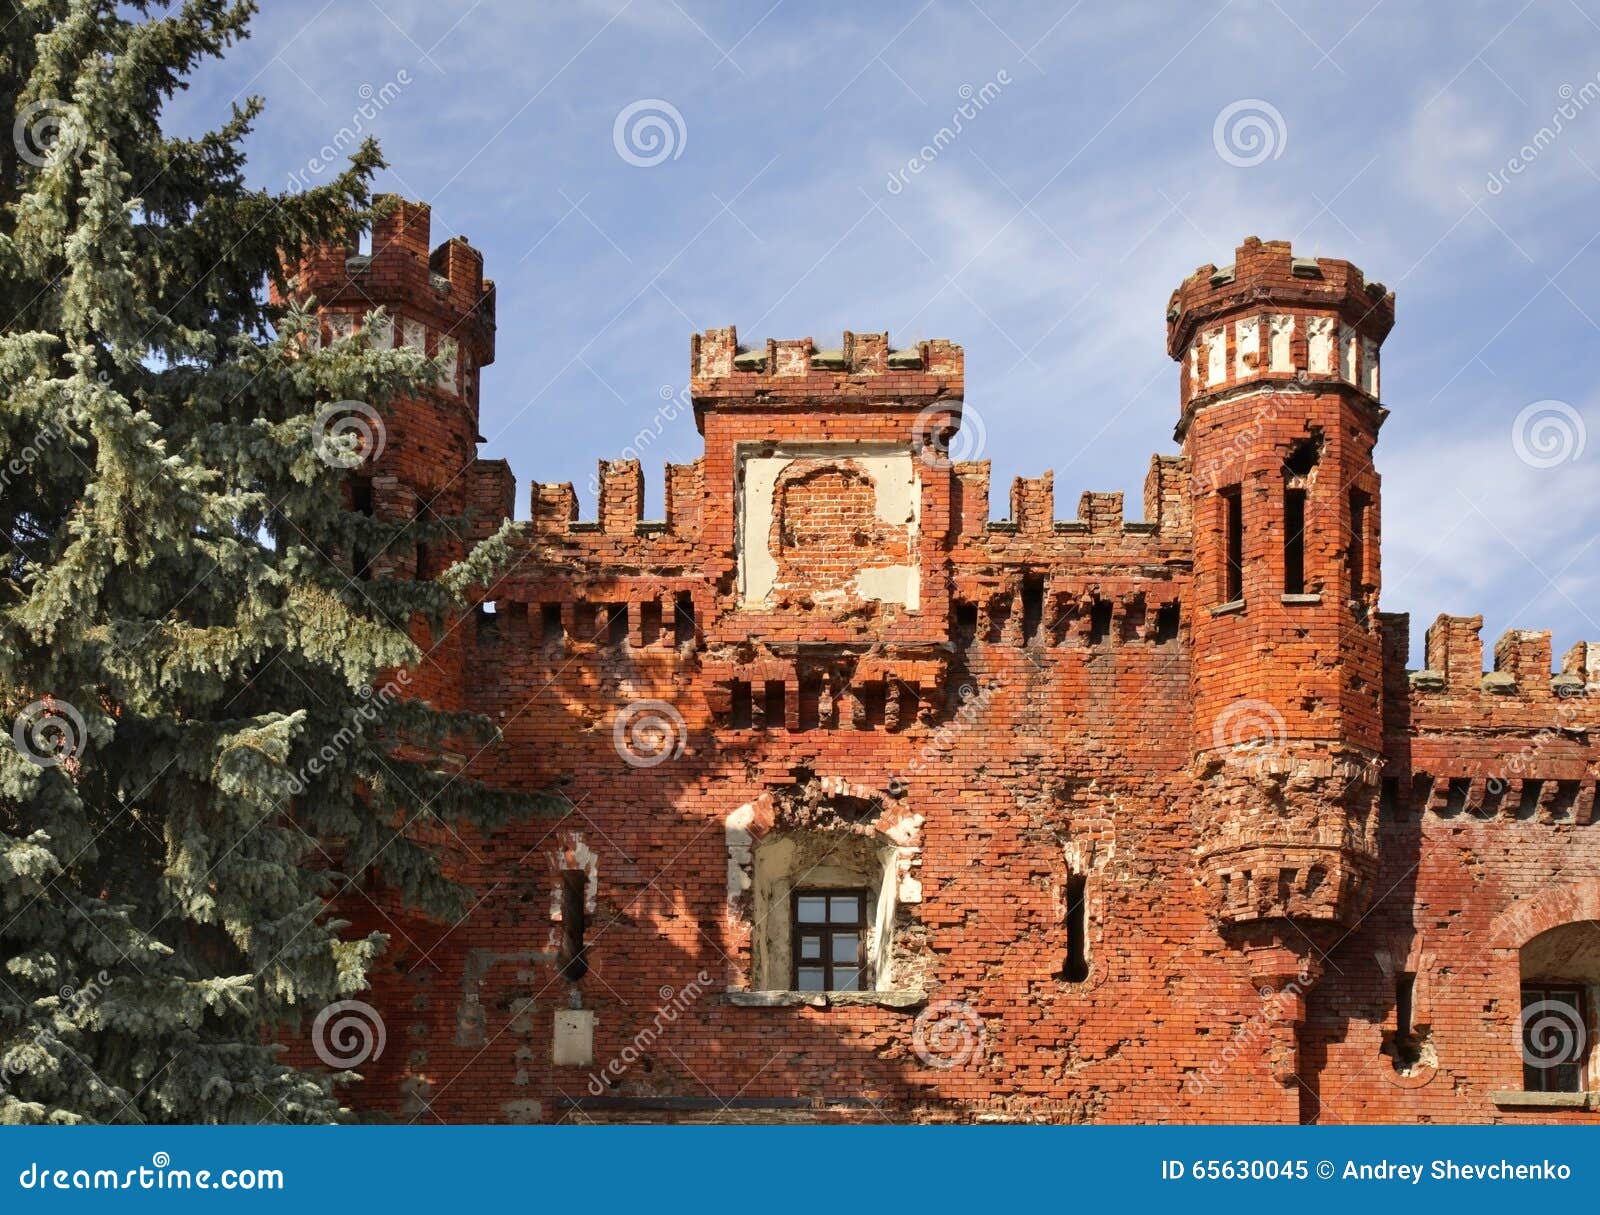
(1522, 663)
(862, 370)
(1272, 317)
(402, 273)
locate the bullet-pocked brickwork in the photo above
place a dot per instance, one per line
(1124, 820)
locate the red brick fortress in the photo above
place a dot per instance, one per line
(875, 808)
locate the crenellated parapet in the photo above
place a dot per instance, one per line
(436, 298)
(1271, 318)
(1518, 740)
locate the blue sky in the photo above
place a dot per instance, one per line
(1045, 238)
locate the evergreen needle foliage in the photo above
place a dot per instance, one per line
(180, 634)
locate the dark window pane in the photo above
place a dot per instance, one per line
(811, 948)
(844, 909)
(1553, 1039)
(845, 945)
(846, 979)
(812, 909)
(810, 979)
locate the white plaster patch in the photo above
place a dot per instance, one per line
(1282, 333)
(1216, 356)
(1369, 366)
(1319, 340)
(380, 334)
(1194, 366)
(1247, 347)
(897, 499)
(415, 334)
(736, 834)
(574, 1038)
(1347, 354)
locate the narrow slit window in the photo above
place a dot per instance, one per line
(1099, 621)
(1356, 552)
(740, 714)
(1294, 542)
(1232, 545)
(1032, 607)
(774, 703)
(1076, 969)
(617, 624)
(684, 627)
(550, 626)
(574, 925)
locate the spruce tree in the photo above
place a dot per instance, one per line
(197, 766)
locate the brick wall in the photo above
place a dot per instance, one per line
(1018, 719)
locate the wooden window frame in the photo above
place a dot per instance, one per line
(1537, 1079)
(824, 931)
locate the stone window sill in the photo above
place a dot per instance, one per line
(1228, 609)
(1570, 1101)
(826, 999)
(1295, 600)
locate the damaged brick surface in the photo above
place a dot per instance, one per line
(1199, 752)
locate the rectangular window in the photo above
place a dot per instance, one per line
(829, 940)
(1554, 1038)
(1232, 544)
(1294, 542)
